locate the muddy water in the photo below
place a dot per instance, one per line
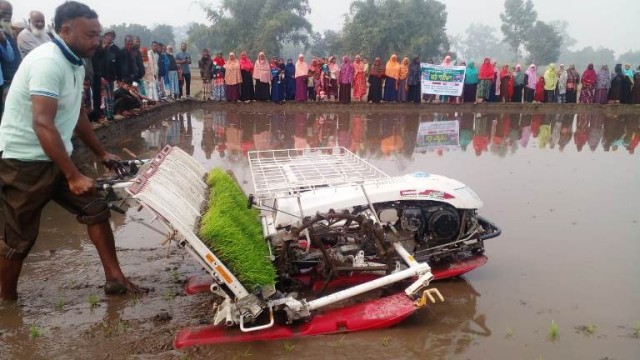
(564, 188)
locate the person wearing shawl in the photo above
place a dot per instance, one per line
(232, 78)
(635, 92)
(628, 85)
(246, 70)
(550, 83)
(392, 73)
(539, 97)
(573, 79)
(603, 83)
(562, 85)
(414, 81)
(218, 89)
(589, 78)
(505, 84)
(359, 79)
(313, 80)
(402, 80)
(518, 84)
(262, 76)
(446, 62)
(277, 80)
(495, 83)
(301, 75)
(470, 83)
(290, 80)
(345, 79)
(334, 72)
(485, 77)
(531, 82)
(376, 74)
(620, 90)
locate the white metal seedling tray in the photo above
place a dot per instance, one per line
(284, 173)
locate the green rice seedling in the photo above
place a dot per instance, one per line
(34, 332)
(554, 331)
(234, 233)
(60, 304)
(636, 329)
(340, 341)
(175, 275)
(288, 347)
(93, 301)
(509, 333)
(590, 329)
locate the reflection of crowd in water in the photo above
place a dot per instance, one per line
(231, 135)
(176, 131)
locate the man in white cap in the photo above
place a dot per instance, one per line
(33, 36)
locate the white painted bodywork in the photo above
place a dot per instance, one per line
(414, 186)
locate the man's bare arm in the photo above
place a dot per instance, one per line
(44, 113)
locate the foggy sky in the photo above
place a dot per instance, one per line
(592, 23)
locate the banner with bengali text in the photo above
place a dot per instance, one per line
(442, 80)
(438, 135)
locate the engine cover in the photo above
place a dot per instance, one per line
(443, 222)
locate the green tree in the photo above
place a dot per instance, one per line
(630, 57)
(481, 41)
(518, 19)
(581, 58)
(543, 44)
(329, 43)
(123, 30)
(405, 27)
(164, 34)
(260, 25)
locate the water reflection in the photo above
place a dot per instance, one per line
(230, 135)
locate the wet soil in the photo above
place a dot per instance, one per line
(568, 254)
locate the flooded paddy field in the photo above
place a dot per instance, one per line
(562, 183)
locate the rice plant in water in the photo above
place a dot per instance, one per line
(554, 331)
(34, 332)
(93, 301)
(234, 233)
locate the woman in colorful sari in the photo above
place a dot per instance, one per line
(233, 78)
(562, 85)
(573, 79)
(402, 83)
(359, 79)
(470, 83)
(446, 62)
(485, 77)
(505, 84)
(217, 70)
(392, 73)
(346, 79)
(531, 81)
(550, 83)
(518, 84)
(603, 83)
(414, 81)
(290, 80)
(301, 75)
(246, 70)
(262, 77)
(376, 74)
(589, 78)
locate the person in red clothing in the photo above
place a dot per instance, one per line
(539, 97)
(485, 76)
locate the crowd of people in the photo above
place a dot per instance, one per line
(121, 81)
(323, 79)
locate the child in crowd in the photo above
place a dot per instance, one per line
(218, 91)
(205, 65)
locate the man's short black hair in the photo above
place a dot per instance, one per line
(71, 10)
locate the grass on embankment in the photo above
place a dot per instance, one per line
(234, 233)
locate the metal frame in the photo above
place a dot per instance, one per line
(287, 173)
